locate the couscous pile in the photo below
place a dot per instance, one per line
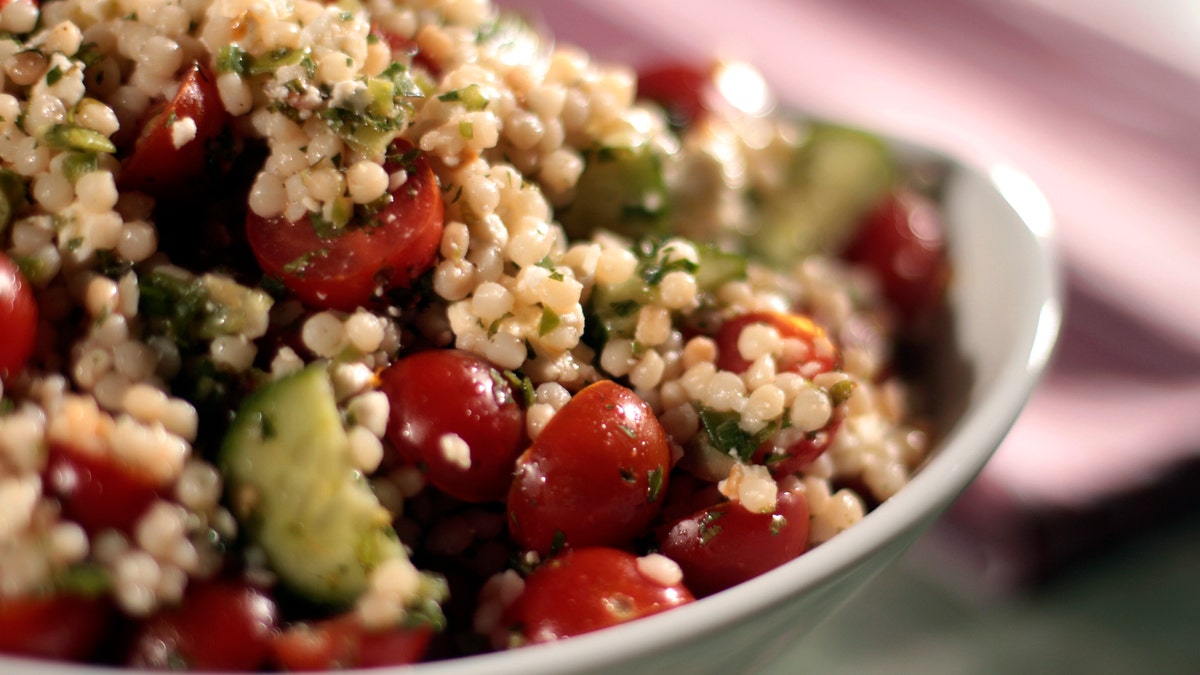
(355, 333)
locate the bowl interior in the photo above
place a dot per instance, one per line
(1003, 319)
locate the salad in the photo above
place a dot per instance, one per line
(367, 332)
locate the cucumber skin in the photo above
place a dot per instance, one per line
(298, 496)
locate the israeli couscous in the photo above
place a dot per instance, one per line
(378, 331)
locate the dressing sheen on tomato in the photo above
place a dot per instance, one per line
(343, 268)
(18, 315)
(587, 589)
(595, 476)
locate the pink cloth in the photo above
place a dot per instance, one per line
(1110, 134)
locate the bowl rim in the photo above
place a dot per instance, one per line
(960, 457)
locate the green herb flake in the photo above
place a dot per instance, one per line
(654, 479)
(54, 75)
(233, 59)
(471, 96)
(708, 530)
(557, 543)
(549, 321)
(77, 164)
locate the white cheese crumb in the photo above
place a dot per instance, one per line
(455, 450)
(752, 485)
(183, 131)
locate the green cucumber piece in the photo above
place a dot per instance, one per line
(621, 190)
(836, 176)
(296, 492)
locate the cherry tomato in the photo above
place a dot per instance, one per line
(791, 451)
(903, 241)
(441, 394)
(587, 589)
(66, 627)
(686, 91)
(342, 642)
(726, 544)
(97, 491)
(18, 315)
(595, 476)
(407, 47)
(220, 625)
(794, 326)
(344, 268)
(168, 159)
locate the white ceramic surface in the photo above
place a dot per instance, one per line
(1005, 303)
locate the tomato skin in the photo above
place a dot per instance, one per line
(796, 455)
(795, 326)
(903, 241)
(342, 642)
(97, 491)
(595, 476)
(64, 627)
(221, 625)
(449, 391)
(18, 315)
(344, 270)
(158, 168)
(587, 589)
(685, 90)
(723, 545)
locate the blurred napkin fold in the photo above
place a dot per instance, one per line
(1110, 442)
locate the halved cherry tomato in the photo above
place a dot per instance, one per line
(903, 241)
(169, 159)
(587, 589)
(726, 544)
(343, 642)
(220, 625)
(790, 451)
(794, 326)
(686, 91)
(18, 315)
(443, 397)
(402, 46)
(66, 627)
(97, 491)
(344, 269)
(595, 476)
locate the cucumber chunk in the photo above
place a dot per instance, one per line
(837, 175)
(297, 494)
(622, 190)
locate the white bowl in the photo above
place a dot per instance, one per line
(1004, 318)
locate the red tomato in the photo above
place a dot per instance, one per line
(587, 589)
(18, 315)
(97, 491)
(342, 642)
(344, 269)
(402, 46)
(67, 627)
(595, 476)
(443, 392)
(726, 544)
(790, 452)
(221, 625)
(159, 167)
(686, 91)
(903, 241)
(794, 326)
